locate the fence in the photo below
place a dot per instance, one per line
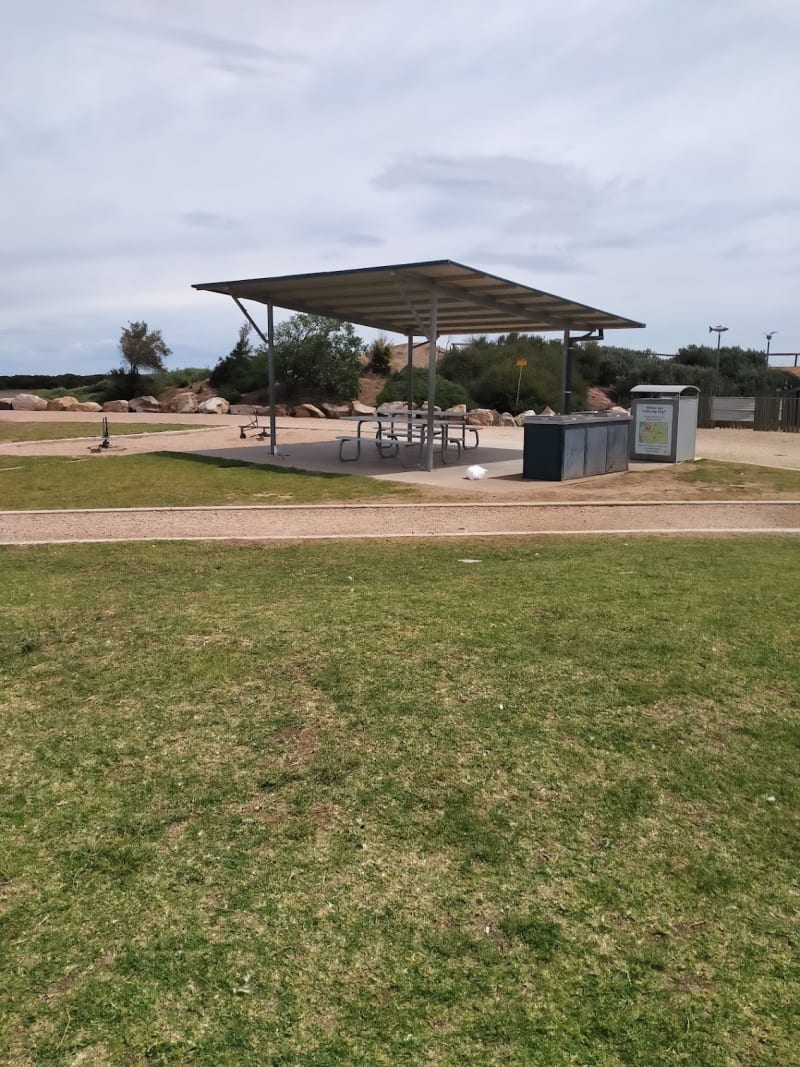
(750, 412)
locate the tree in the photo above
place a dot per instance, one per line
(142, 348)
(380, 356)
(233, 369)
(318, 356)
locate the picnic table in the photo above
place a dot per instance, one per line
(407, 428)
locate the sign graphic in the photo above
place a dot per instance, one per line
(653, 429)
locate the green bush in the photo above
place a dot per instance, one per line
(380, 356)
(488, 371)
(318, 357)
(448, 393)
(315, 357)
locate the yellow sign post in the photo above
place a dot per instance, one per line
(520, 363)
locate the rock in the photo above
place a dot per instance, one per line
(281, 410)
(184, 404)
(357, 408)
(215, 405)
(144, 403)
(395, 405)
(336, 411)
(480, 417)
(507, 419)
(88, 405)
(547, 411)
(308, 411)
(63, 403)
(29, 402)
(619, 411)
(116, 405)
(5, 403)
(523, 415)
(456, 409)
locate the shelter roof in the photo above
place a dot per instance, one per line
(398, 299)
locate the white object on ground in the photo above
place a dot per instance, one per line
(474, 473)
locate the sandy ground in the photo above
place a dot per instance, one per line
(648, 498)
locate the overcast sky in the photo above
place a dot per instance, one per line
(641, 156)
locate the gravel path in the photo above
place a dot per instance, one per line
(299, 522)
(559, 509)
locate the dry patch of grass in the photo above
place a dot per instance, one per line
(283, 817)
(739, 479)
(55, 431)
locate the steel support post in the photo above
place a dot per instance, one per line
(410, 373)
(271, 375)
(566, 375)
(432, 336)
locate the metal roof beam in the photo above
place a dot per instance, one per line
(457, 292)
(318, 309)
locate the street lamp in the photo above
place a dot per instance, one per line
(719, 331)
(769, 337)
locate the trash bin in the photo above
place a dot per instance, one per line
(664, 422)
(557, 448)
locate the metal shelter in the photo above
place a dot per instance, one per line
(428, 299)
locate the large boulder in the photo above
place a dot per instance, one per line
(456, 409)
(184, 404)
(336, 411)
(480, 417)
(144, 403)
(215, 405)
(308, 411)
(63, 403)
(29, 402)
(547, 411)
(281, 411)
(116, 405)
(507, 419)
(6, 403)
(357, 408)
(88, 405)
(393, 406)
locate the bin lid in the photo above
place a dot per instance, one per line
(580, 418)
(666, 390)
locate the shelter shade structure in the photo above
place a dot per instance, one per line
(429, 299)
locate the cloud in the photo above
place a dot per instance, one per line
(629, 155)
(208, 220)
(555, 262)
(227, 53)
(361, 240)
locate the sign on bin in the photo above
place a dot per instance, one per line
(653, 429)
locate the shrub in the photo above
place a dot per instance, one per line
(448, 393)
(380, 356)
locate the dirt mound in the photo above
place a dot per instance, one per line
(368, 388)
(599, 399)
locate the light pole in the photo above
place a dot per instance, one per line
(719, 331)
(769, 337)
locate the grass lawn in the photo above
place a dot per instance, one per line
(54, 431)
(160, 479)
(739, 478)
(370, 805)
